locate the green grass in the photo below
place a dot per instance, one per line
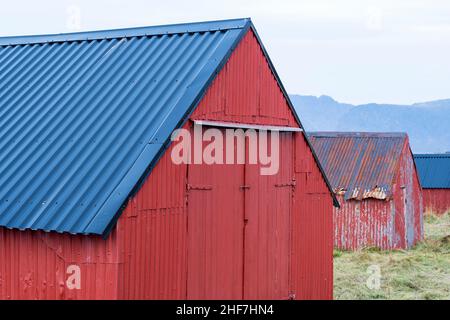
(420, 273)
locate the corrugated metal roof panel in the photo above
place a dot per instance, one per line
(434, 170)
(83, 116)
(359, 165)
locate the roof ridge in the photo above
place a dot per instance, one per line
(356, 134)
(180, 28)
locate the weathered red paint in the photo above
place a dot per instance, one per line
(200, 231)
(34, 265)
(394, 223)
(436, 201)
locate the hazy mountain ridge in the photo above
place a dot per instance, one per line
(427, 123)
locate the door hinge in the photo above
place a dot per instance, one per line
(198, 187)
(245, 187)
(289, 184)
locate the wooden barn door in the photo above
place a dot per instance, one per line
(215, 231)
(239, 229)
(267, 227)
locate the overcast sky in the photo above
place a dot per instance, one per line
(357, 51)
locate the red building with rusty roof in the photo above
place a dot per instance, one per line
(375, 179)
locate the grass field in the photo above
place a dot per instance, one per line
(420, 273)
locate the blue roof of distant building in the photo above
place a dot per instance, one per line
(434, 170)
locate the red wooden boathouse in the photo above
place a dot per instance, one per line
(92, 206)
(375, 179)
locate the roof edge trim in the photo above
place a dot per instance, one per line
(207, 26)
(291, 106)
(246, 126)
(357, 134)
(213, 68)
(431, 155)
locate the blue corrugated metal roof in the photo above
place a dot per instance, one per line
(84, 116)
(434, 170)
(359, 165)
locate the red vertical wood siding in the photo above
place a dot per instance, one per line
(34, 265)
(436, 200)
(312, 229)
(153, 236)
(394, 223)
(161, 248)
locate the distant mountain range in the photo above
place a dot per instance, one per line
(427, 123)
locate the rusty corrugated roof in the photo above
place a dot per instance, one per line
(359, 165)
